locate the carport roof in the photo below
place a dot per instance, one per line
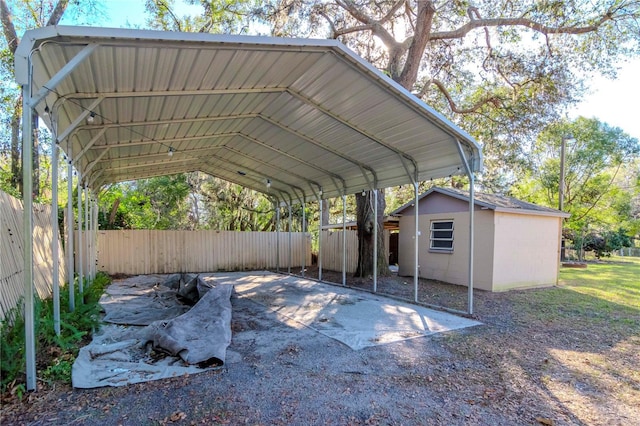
(286, 117)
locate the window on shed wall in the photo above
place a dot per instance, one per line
(441, 235)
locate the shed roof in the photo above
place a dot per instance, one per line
(288, 117)
(494, 202)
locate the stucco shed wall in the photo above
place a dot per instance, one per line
(526, 251)
(449, 267)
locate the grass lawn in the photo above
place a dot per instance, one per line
(615, 280)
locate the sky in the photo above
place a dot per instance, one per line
(610, 101)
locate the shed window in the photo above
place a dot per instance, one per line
(441, 238)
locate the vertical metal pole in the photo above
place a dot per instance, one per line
(27, 197)
(290, 250)
(70, 221)
(55, 237)
(561, 184)
(375, 240)
(320, 237)
(87, 234)
(468, 165)
(304, 237)
(88, 208)
(344, 240)
(80, 240)
(94, 253)
(416, 245)
(277, 236)
(471, 242)
(563, 147)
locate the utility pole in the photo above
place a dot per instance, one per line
(561, 192)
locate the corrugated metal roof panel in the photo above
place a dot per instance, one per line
(305, 114)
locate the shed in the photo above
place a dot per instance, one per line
(517, 244)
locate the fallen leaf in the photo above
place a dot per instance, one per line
(545, 421)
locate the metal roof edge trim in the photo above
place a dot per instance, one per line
(558, 213)
(31, 38)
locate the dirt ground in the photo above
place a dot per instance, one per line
(536, 360)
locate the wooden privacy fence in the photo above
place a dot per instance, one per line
(160, 252)
(331, 247)
(12, 253)
(149, 252)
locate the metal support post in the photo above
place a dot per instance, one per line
(87, 233)
(55, 238)
(471, 242)
(469, 169)
(27, 168)
(70, 221)
(375, 240)
(290, 248)
(80, 241)
(96, 214)
(304, 237)
(416, 244)
(277, 236)
(320, 237)
(344, 240)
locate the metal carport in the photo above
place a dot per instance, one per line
(296, 119)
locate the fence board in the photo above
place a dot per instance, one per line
(331, 246)
(12, 252)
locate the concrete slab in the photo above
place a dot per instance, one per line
(355, 318)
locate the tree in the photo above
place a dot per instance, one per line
(155, 203)
(597, 190)
(231, 207)
(501, 69)
(218, 16)
(18, 16)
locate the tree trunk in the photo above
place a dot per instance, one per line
(35, 173)
(16, 169)
(326, 205)
(112, 214)
(366, 221)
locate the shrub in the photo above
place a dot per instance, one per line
(58, 351)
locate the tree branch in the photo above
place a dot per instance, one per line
(375, 26)
(7, 27)
(163, 4)
(491, 99)
(601, 194)
(518, 22)
(57, 13)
